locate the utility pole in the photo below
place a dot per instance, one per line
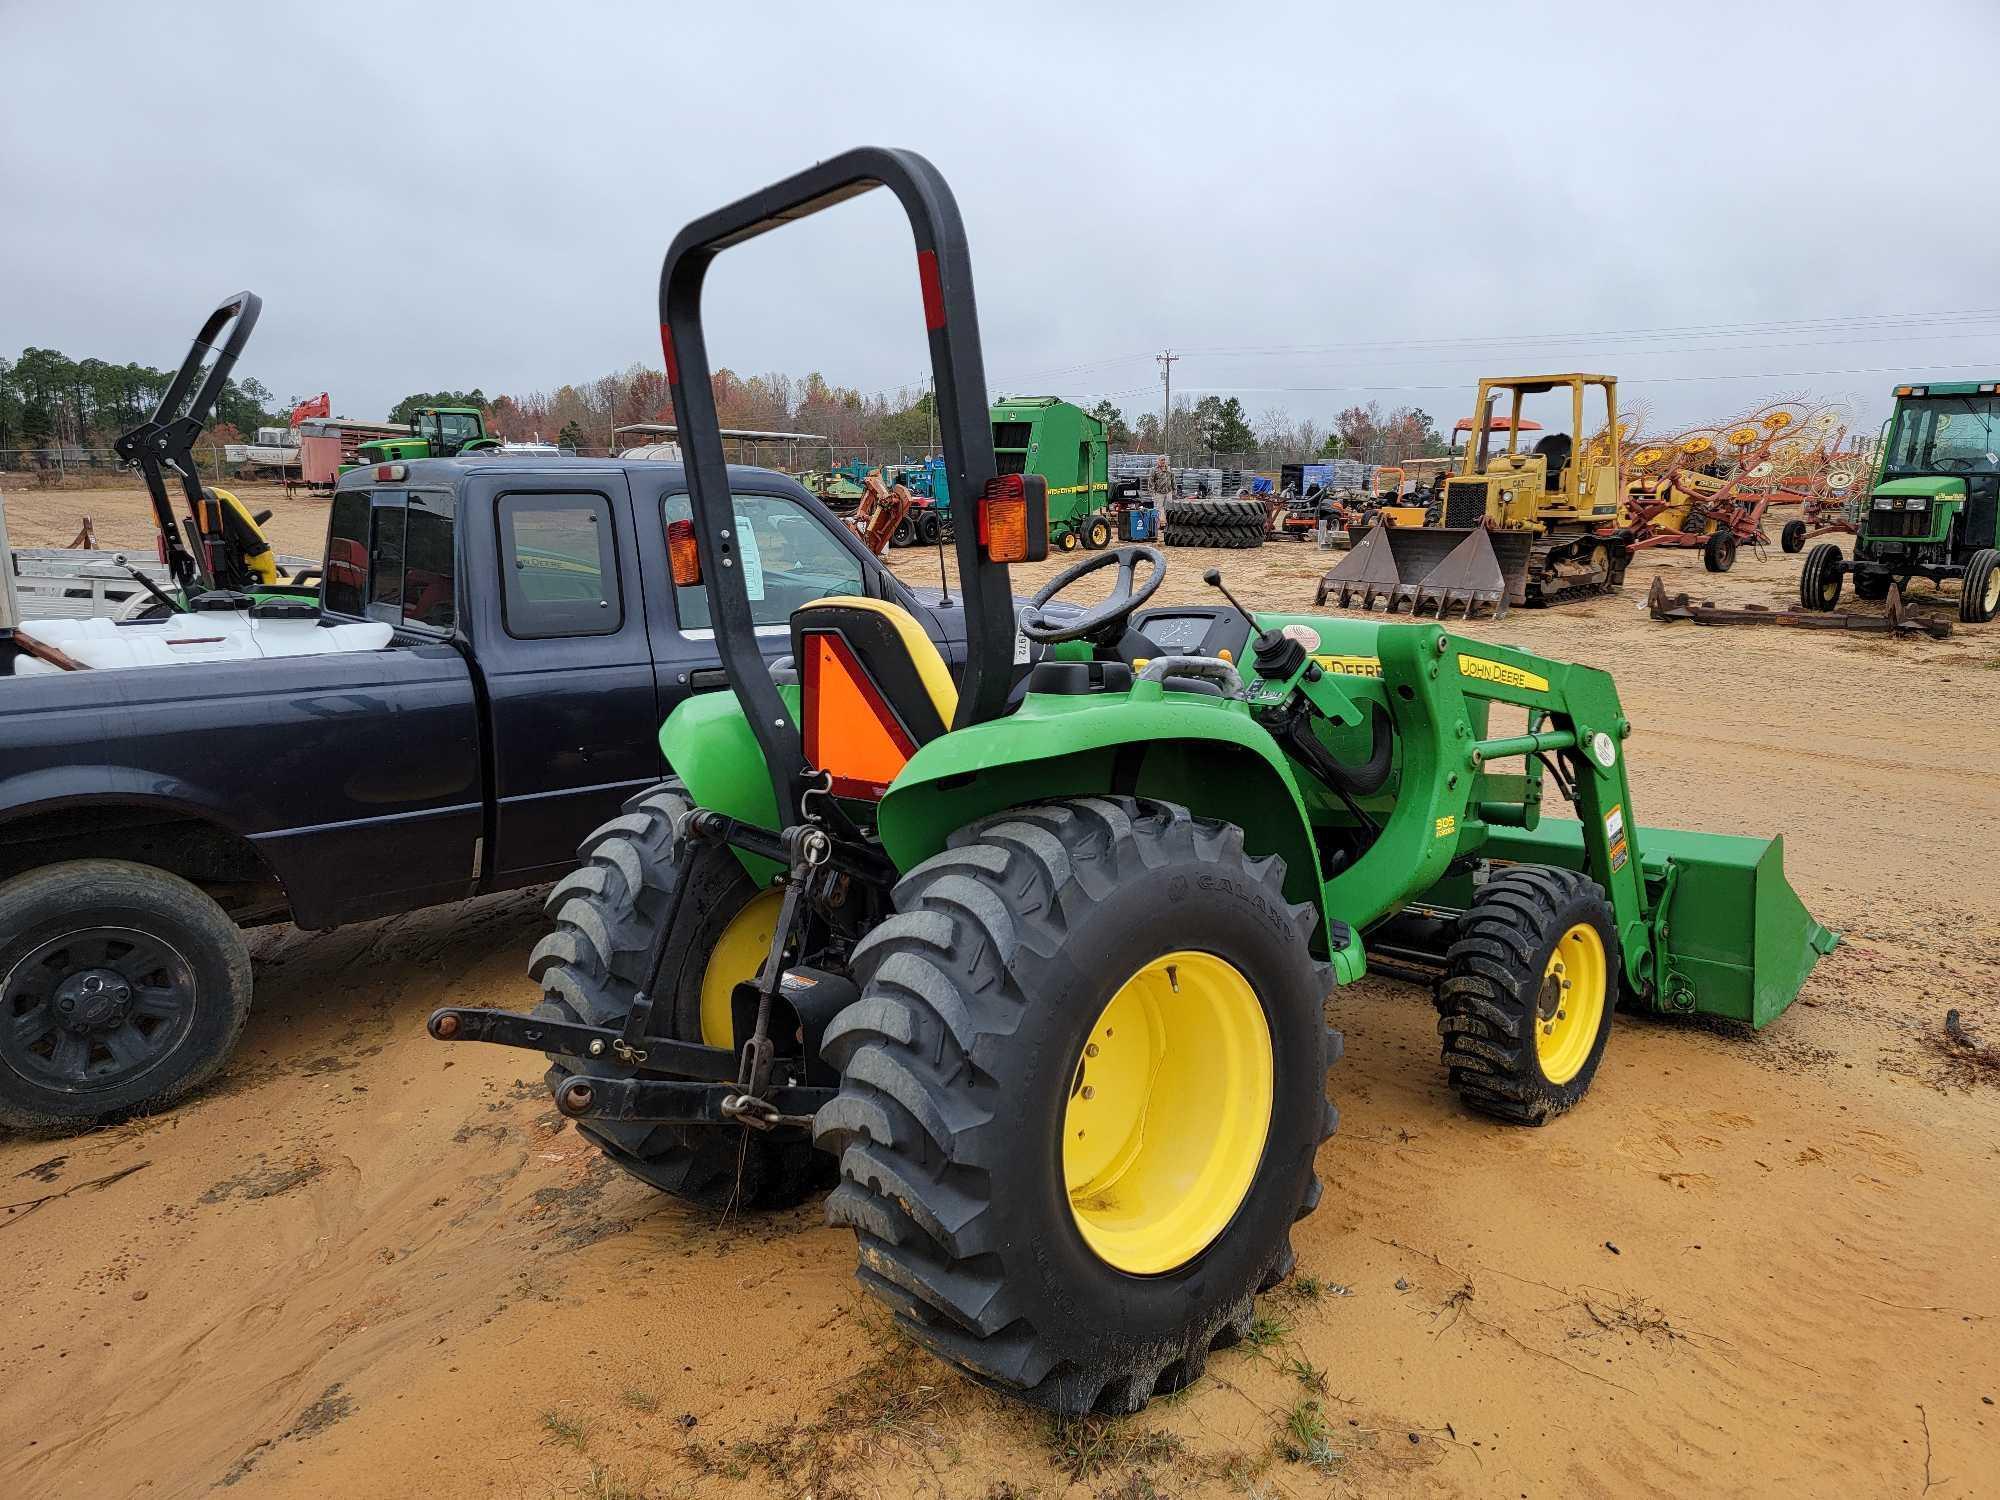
(1166, 362)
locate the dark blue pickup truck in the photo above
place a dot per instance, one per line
(147, 814)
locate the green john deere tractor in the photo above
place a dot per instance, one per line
(435, 432)
(1933, 509)
(1037, 969)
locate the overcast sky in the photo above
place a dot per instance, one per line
(1714, 203)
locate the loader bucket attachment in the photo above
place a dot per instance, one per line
(1435, 568)
(1468, 577)
(1738, 941)
(1367, 573)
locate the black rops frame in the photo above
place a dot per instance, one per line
(166, 440)
(944, 268)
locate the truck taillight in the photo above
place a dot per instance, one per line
(385, 472)
(682, 554)
(1014, 518)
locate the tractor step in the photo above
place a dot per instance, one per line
(1896, 619)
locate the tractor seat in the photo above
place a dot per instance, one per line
(873, 690)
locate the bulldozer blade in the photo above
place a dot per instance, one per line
(1369, 570)
(1468, 577)
(1896, 619)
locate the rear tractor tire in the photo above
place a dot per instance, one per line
(1979, 599)
(1820, 578)
(609, 944)
(1080, 1098)
(1526, 1000)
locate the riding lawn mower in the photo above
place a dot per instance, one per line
(1035, 972)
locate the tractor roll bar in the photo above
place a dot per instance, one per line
(166, 439)
(944, 270)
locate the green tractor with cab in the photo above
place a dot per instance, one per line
(1933, 508)
(435, 432)
(1032, 964)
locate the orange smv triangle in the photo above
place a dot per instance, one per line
(851, 732)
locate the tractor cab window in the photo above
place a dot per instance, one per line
(1946, 435)
(788, 559)
(456, 428)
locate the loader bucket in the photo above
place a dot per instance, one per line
(1366, 574)
(1432, 568)
(1736, 931)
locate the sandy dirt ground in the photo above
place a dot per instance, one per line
(364, 1263)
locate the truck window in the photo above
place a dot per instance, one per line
(390, 557)
(789, 558)
(559, 566)
(346, 587)
(430, 578)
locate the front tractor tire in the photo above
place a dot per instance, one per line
(610, 942)
(1080, 1098)
(1820, 578)
(1525, 1002)
(1979, 596)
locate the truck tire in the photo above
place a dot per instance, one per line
(1793, 537)
(1819, 579)
(122, 987)
(1106, 946)
(1529, 986)
(609, 944)
(1979, 599)
(1718, 553)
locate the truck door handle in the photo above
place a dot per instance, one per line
(704, 678)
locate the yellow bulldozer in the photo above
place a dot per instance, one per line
(1520, 525)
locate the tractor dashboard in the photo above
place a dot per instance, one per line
(1188, 630)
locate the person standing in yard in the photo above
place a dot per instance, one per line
(1161, 483)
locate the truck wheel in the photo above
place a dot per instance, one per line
(1793, 537)
(121, 988)
(905, 534)
(1080, 1098)
(609, 944)
(929, 528)
(1819, 579)
(1525, 1002)
(1718, 553)
(1979, 600)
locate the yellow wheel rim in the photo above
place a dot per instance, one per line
(1169, 1106)
(738, 955)
(1570, 1007)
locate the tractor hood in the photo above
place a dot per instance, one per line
(1929, 486)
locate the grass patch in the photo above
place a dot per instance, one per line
(1306, 1373)
(1084, 1447)
(1306, 1287)
(1305, 1437)
(639, 1400)
(563, 1428)
(1267, 1329)
(603, 1484)
(901, 1395)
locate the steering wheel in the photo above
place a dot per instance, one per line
(1953, 464)
(1099, 617)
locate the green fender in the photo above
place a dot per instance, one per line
(708, 744)
(1201, 752)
